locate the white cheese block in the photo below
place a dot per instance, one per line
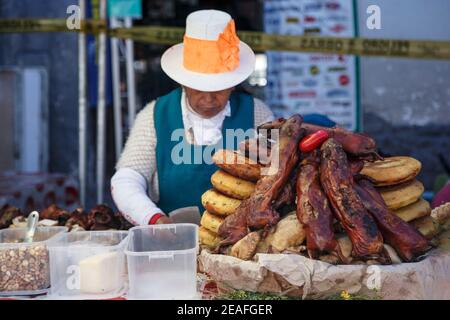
(101, 273)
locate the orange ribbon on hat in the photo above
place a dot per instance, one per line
(212, 56)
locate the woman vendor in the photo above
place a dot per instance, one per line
(149, 183)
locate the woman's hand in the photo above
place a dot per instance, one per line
(163, 220)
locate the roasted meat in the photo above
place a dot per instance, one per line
(101, 217)
(7, 215)
(356, 144)
(258, 211)
(124, 223)
(337, 181)
(234, 227)
(287, 195)
(313, 210)
(406, 240)
(262, 212)
(356, 165)
(78, 217)
(53, 212)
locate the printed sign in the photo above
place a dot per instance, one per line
(312, 83)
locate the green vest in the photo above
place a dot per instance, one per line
(183, 173)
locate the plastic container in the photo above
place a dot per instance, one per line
(162, 261)
(88, 265)
(25, 267)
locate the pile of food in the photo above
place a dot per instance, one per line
(323, 193)
(100, 217)
(24, 268)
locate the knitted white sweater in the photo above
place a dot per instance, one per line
(137, 169)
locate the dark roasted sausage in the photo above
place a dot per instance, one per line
(313, 210)
(259, 210)
(234, 227)
(337, 181)
(357, 144)
(287, 195)
(406, 240)
(268, 188)
(356, 165)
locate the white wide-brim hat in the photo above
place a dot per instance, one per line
(207, 25)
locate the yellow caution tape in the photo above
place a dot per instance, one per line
(28, 25)
(152, 34)
(49, 25)
(259, 41)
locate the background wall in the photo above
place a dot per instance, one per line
(57, 53)
(406, 102)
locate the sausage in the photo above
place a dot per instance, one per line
(357, 144)
(313, 210)
(258, 211)
(268, 188)
(406, 240)
(234, 227)
(337, 181)
(287, 195)
(356, 165)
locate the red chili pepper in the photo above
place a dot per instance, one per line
(313, 141)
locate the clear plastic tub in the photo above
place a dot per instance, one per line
(25, 267)
(88, 265)
(162, 261)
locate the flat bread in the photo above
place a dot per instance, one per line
(400, 196)
(232, 186)
(216, 203)
(211, 222)
(414, 211)
(207, 237)
(237, 165)
(392, 171)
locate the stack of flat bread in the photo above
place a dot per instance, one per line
(396, 179)
(232, 183)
